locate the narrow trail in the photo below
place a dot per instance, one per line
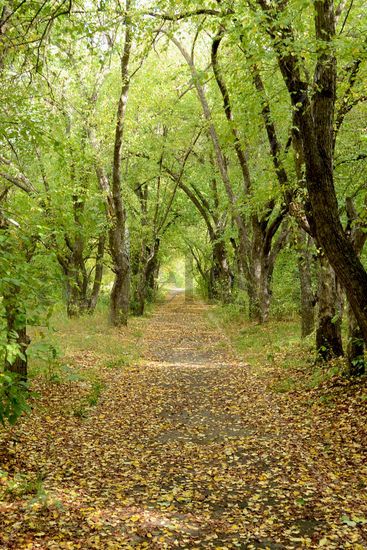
(186, 449)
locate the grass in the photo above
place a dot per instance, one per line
(91, 399)
(80, 353)
(91, 337)
(276, 350)
(258, 342)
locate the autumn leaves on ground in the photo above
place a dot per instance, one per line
(184, 447)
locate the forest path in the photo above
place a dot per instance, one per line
(187, 449)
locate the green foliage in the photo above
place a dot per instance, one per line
(14, 396)
(286, 286)
(57, 125)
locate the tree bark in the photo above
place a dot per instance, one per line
(356, 231)
(120, 297)
(264, 253)
(147, 267)
(259, 281)
(260, 249)
(220, 277)
(315, 121)
(308, 299)
(92, 302)
(119, 308)
(328, 334)
(74, 298)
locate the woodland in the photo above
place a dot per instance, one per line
(144, 144)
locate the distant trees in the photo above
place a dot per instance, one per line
(307, 62)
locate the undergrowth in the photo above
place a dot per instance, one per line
(276, 351)
(80, 353)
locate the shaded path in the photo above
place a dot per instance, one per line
(186, 450)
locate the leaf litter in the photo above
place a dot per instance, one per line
(186, 448)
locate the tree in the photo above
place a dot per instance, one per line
(314, 114)
(256, 249)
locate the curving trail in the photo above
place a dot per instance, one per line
(190, 450)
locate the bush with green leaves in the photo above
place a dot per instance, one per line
(14, 396)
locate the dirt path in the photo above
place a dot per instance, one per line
(185, 450)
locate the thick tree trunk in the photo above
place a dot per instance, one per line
(119, 307)
(153, 278)
(146, 274)
(356, 345)
(73, 308)
(76, 290)
(140, 297)
(153, 273)
(314, 117)
(220, 277)
(340, 253)
(259, 290)
(328, 334)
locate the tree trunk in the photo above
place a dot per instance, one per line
(152, 272)
(259, 290)
(140, 295)
(328, 334)
(119, 309)
(153, 279)
(92, 302)
(76, 290)
(356, 231)
(141, 290)
(72, 297)
(264, 253)
(307, 295)
(314, 118)
(220, 277)
(16, 333)
(145, 276)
